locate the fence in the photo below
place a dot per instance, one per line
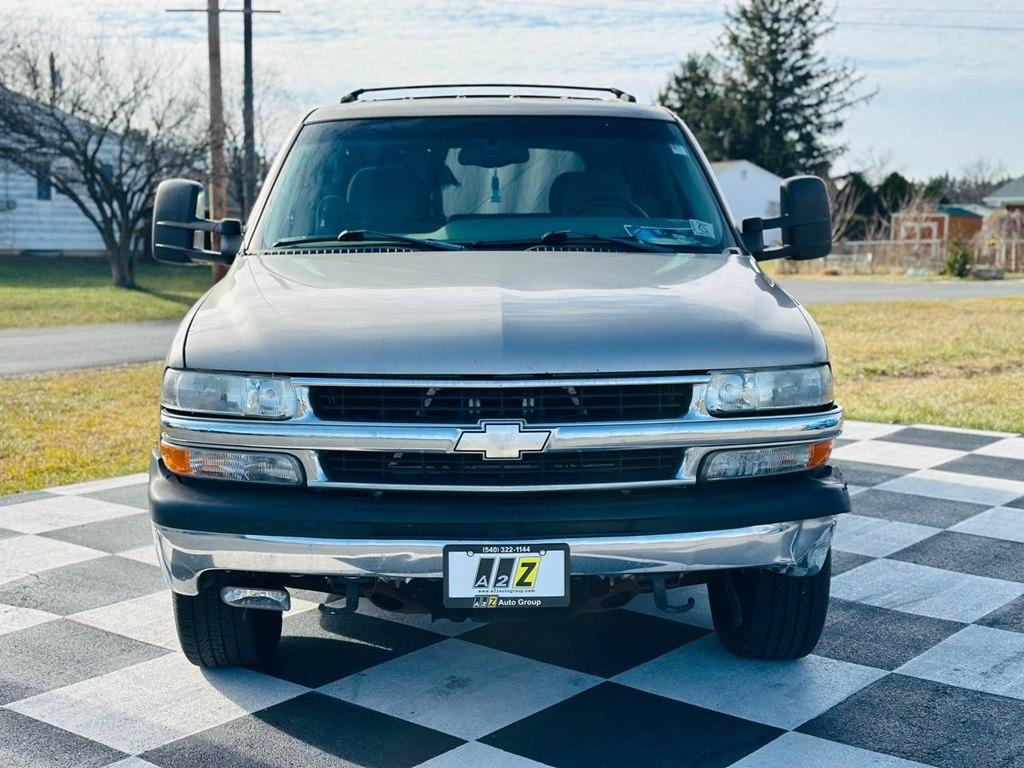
(908, 256)
(1004, 253)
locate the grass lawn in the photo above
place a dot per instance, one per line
(58, 428)
(958, 363)
(38, 291)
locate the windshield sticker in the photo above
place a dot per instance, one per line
(678, 149)
(671, 235)
(702, 228)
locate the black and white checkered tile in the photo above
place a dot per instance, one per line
(921, 663)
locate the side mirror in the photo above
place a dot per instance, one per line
(178, 217)
(805, 220)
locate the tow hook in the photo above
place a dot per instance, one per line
(252, 597)
(328, 608)
(661, 596)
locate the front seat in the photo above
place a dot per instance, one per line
(574, 190)
(383, 197)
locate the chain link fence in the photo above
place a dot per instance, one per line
(913, 257)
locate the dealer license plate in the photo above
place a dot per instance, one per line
(506, 575)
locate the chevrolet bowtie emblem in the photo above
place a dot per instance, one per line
(502, 440)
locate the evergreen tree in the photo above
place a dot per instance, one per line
(894, 192)
(861, 203)
(695, 93)
(773, 97)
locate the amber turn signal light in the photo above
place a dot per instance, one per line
(819, 453)
(176, 458)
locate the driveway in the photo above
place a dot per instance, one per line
(921, 662)
(832, 291)
(30, 350)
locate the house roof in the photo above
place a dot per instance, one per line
(970, 210)
(1011, 193)
(726, 165)
(721, 165)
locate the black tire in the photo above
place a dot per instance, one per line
(213, 634)
(779, 617)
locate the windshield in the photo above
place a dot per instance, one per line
(493, 181)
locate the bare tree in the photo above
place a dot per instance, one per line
(844, 202)
(102, 128)
(272, 103)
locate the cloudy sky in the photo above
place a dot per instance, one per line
(947, 75)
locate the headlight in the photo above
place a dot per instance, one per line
(751, 391)
(226, 394)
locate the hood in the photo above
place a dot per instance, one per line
(452, 313)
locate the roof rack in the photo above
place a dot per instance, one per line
(618, 94)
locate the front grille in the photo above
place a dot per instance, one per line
(542, 403)
(552, 468)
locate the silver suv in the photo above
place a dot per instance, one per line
(492, 352)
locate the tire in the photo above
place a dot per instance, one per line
(779, 617)
(213, 634)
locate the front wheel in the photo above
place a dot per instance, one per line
(761, 614)
(214, 634)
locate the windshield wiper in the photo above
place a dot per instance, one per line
(364, 235)
(568, 236)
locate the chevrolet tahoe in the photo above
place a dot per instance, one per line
(494, 353)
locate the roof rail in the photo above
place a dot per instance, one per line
(618, 94)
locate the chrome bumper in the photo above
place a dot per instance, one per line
(797, 548)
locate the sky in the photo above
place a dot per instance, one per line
(948, 94)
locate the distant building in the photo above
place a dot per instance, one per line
(943, 222)
(750, 191)
(35, 218)
(1009, 196)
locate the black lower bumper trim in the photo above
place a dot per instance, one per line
(226, 507)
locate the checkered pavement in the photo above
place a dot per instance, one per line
(921, 663)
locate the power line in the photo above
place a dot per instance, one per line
(899, 9)
(926, 25)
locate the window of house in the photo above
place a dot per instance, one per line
(44, 189)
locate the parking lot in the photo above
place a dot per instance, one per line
(922, 660)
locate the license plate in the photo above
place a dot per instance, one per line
(506, 575)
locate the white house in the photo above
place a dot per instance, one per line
(750, 190)
(34, 217)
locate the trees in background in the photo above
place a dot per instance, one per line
(102, 129)
(771, 96)
(273, 103)
(978, 180)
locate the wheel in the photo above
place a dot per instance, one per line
(214, 634)
(765, 615)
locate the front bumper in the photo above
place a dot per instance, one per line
(797, 548)
(784, 523)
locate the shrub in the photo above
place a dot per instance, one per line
(958, 258)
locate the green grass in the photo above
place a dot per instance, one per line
(958, 363)
(39, 291)
(64, 427)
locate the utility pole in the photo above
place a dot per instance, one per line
(218, 202)
(218, 165)
(248, 118)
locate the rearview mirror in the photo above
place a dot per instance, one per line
(805, 220)
(492, 154)
(178, 215)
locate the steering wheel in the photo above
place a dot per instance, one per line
(615, 202)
